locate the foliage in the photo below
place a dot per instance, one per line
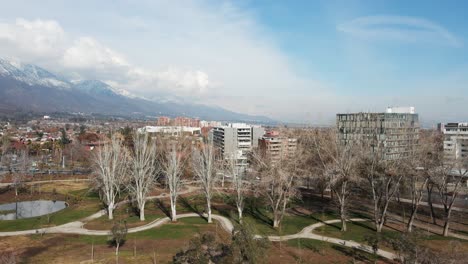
(202, 249)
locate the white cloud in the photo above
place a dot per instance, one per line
(32, 38)
(205, 52)
(85, 57)
(87, 53)
(400, 28)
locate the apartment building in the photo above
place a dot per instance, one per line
(170, 130)
(163, 121)
(236, 139)
(276, 146)
(455, 140)
(394, 132)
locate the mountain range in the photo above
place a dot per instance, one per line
(27, 87)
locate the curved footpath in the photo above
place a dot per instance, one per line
(77, 227)
(306, 233)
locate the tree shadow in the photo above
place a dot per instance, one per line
(363, 225)
(194, 209)
(355, 253)
(259, 215)
(160, 204)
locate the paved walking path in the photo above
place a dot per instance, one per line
(4, 184)
(77, 227)
(307, 233)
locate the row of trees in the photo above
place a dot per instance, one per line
(135, 170)
(321, 158)
(346, 168)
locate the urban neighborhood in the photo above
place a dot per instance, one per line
(233, 132)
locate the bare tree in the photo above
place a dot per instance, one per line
(276, 183)
(311, 164)
(144, 170)
(173, 167)
(118, 234)
(448, 179)
(417, 177)
(21, 170)
(232, 169)
(111, 164)
(205, 169)
(338, 162)
(5, 146)
(384, 177)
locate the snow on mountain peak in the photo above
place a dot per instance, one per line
(31, 74)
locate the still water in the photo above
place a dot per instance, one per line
(28, 209)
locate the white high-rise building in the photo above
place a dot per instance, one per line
(455, 140)
(237, 139)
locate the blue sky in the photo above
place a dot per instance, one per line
(299, 61)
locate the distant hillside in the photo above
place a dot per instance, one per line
(26, 87)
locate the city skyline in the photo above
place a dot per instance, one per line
(298, 61)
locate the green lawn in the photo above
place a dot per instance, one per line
(290, 224)
(82, 204)
(126, 213)
(324, 248)
(356, 231)
(184, 228)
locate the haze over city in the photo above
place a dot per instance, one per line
(294, 61)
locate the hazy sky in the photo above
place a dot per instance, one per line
(291, 60)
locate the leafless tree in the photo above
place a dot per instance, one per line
(233, 170)
(143, 170)
(5, 146)
(384, 177)
(111, 166)
(205, 168)
(276, 182)
(417, 176)
(173, 167)
(21, 170)
(311, 165)
(118, 234)
(448, 179)
(338, 162)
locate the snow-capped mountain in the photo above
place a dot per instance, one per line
(27, 87)
(31, 74)
(96, 87)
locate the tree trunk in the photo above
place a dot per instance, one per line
(429, 201)
(208, 203)
(117, 249)
(447, 222)
(239, 211)
(110, 211)
(409, 226)
(173, 210)
(343, 218)
(276, 221)
(142, 212)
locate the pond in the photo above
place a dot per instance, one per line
(20, 210)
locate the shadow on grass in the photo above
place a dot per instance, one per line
(355, 253)
(363, 225)
(160, 204)
(259, 215)
(186, 204)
